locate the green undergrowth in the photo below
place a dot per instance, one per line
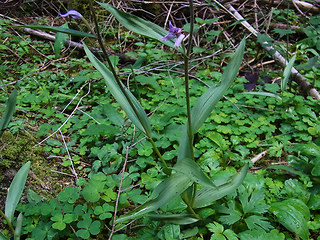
(279, 198)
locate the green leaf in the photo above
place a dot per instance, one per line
(261, 235)
(167, 190)
(91, 193)
(17, 230)
(138, 25)
(140, 119)
(15, 190)
(194, 172)
(286, 73)
(59, 225)
(60, 40)
(258, 222)
(252, 201)
(207, 195)
(205, 104)
(232, 215)
(11, 104)
(83, 233)
(58, 29)
(180, 219)
(294, 215)
(94, 228)
(2, 237)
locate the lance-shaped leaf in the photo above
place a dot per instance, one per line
(17, 230)
(58, 29)
(60, 39)
(167, 190)
(8, 113)
(180, 219)
(194, 172)
(207, 195)
(204, 106)
(138, 25)
(286, 73)
(137, 116)
(15, 190)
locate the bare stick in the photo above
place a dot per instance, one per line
(259, 156)
(295, 75)
(119, 192)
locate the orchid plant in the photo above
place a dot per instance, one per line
(185, 178)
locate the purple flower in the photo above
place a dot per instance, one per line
(73, 14)
(174, 32)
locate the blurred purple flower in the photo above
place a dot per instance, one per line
(174, 32)
(73, 14)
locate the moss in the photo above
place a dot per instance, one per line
(15, 150)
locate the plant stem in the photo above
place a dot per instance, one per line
(158, 152)
(186, 77)
(8, 222)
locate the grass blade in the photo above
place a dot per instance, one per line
(141, 121)
(11, 105)
(138, 25)
(58, 29)
(207, 195)
(15, 190)
(167, 190)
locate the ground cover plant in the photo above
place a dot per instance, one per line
(174, 144)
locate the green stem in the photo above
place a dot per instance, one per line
(158, 152)
(8, 222)
(190, 209)
(186, 77)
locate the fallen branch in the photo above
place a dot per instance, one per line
(303, 83)
(44, 35)
(259, 156)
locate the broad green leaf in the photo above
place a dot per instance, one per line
(167, 190)
(60, 40)
(140, 120)
(192, 170)
(266, 94)
(294, 215)
(138, 25)
(180, 219)
(15, 190)
(58, 29)
(8, 113)
(205, 104)
(286, 73)
(207, 195)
